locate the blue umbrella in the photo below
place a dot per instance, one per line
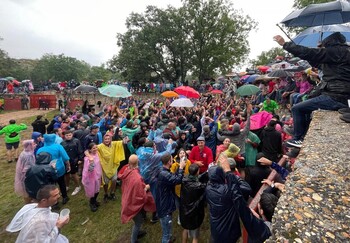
(313, 35)
(336, 12)
(250, 79)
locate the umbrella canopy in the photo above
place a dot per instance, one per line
(182, 102)
(250, 79)
(169, 94)
(85, 89)
(312, 36)
(10, 78)
(263, 69)
(216, 91)
(280, 73)
(247, 90)
(187, 91)
(114, 90)
(336, 12)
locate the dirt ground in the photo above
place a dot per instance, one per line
(5, 117)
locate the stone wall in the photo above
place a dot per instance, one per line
(316, 204)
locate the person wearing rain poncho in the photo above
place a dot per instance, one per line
(227, 206)
(25, 161)
(36, 222)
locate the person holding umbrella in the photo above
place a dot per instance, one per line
(333, 57)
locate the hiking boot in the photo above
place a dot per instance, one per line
(65, 200)
(154, 219)
(295, 143)
(105, 198)
(76, 190)
(112, 197)
(93, 207)
(141, 234)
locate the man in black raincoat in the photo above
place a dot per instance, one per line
(227, 206)
(192, 202)
(333, 58)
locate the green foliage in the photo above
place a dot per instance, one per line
(60, 68)
(304, 3)
(267, 56)
(201, 36)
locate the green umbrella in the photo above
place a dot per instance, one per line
(10, 78)
(247, 90)
(114, 91)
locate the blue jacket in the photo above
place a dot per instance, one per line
(165, 192)
(57, 152)
(150, 162)
(227, 206)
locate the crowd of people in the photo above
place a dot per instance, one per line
(166, 158)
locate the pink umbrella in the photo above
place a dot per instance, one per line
(259, 120)
(187, 91)
(244, 77)
(216, 91)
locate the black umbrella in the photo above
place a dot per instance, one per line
(336, 12)
(85, 89)
(280, 73)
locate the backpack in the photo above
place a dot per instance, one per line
(43, 158)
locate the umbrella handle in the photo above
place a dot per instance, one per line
(285, 33)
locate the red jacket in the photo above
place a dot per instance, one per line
(206, 156)
(134, 196)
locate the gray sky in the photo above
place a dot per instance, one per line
(86, 29)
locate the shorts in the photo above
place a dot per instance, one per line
(106, 180)
(73, 167)
(9, 146)
(193, 233)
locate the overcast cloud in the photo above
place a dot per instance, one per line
(86, 29)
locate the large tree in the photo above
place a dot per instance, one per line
(201, 37)
(60, 68)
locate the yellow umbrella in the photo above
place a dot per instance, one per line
(169, 94)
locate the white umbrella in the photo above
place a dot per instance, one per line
(182, 102)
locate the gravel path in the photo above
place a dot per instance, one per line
(5, 117)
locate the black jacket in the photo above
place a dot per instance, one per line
(333, 59)
(271, 143)
(165, 192)
(38, 176)
(74, 149)
(192, 203)
(227, 206)
(40, 126)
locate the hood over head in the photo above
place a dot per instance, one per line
(236, 128)
(334, 39)
(216, 175)
(49, 139)
(35, 135)
(28, 145)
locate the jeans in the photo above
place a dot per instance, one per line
(138, 220)
(166, 222)
(301, 113)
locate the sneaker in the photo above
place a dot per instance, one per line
(344, 110)
(112, 197)
(141, 234)
(9, 161)
(154, 219)
(93, 207)
(76, 190)
(295, 143)
(65, 200)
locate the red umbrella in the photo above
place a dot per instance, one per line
(216, 91)
(187, 91)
